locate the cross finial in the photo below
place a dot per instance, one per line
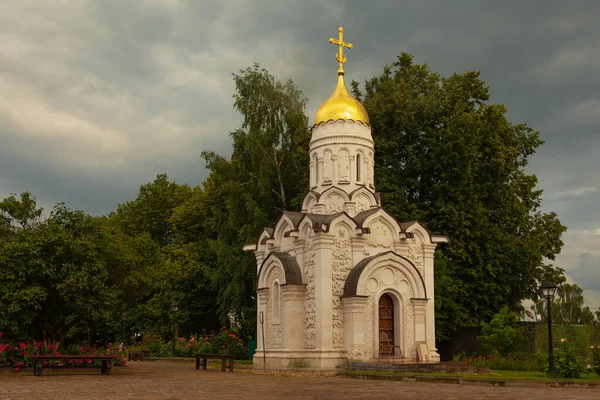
(340, 56)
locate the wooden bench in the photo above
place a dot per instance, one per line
(141, 355)
(223, 357)
(39, 359)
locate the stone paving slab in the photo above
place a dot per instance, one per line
(161, 380)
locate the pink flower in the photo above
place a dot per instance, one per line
(57, 353)
(52, 347)
(17, 369)
(45, 363)
(89, 361)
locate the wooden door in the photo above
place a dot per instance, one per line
(386, 321)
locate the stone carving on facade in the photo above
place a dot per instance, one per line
(275, 330)
(341, 266)
(358, 351)
(327, 167)
(344, 166)
(310, 330)
(415, 254)
(362, 203)
(381, 236)
(334, 203)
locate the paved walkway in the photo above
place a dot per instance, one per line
(164, 380)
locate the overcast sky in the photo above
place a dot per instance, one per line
(98, 97)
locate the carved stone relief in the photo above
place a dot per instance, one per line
(310, 332)
(381, 236)
(275, 331)
(334, 203)
(415, 254)
(327, 167)
(344, 166)
(362, 203)
(341, 266)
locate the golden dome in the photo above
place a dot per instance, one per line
(341, 105)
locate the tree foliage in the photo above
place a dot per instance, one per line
(567, 306)
(266, 174)
(500, 334)
(447, 156)
(55, 279)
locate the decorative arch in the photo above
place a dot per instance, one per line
(314, 176)
(382, 216)
(310, 200)
(286, 262)
(343, 165)
(356, 284)
(328, 166)
(334, 200)
(283, 225)
(343, 221)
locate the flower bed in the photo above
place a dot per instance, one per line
(221, 342)
(15, 355)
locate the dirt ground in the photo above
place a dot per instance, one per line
(175, 380)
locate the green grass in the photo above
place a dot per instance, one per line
(494, 374)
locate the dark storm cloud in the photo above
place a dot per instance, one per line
(104, 95)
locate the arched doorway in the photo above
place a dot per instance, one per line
(386, 323)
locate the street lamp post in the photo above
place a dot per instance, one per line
(548, 289)
(174, 309)
(124, 318)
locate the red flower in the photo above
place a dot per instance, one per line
(89, 361)
(45, 363)
(52, 347)
(17, 369)
(57, 353)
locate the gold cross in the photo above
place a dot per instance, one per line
(340, 56)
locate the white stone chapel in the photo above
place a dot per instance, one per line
(337, 279)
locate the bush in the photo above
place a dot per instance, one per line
(567, 364)
(15, 356)
(221, 342)
(595, 362)
(499, 336)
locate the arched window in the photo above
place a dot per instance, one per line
(275, 303)
(358, 167)
(315, 170)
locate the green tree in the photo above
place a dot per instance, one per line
(151, 211)
(152, 267)
(567, 306)
(55, 282)
(450, 158)
(267, 173)
(500, 334)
